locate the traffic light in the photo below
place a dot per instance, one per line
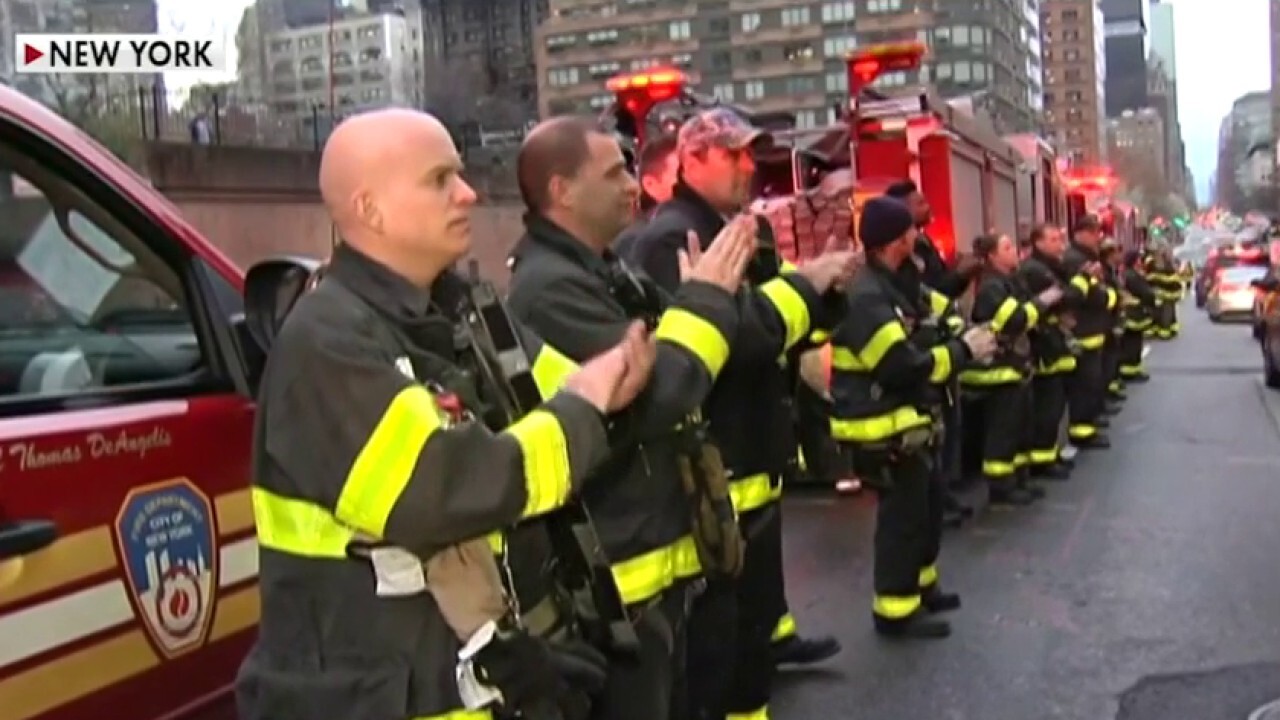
(1180, 222)
(637, 93)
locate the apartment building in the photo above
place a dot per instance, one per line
(1137, 144)
(1075, 79)
(1127, 41)
(358, 61)
(495, 39)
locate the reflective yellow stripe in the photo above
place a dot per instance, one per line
(683, 328)
(939, 304)
(1064, 364)
(928, 576)
(941, 364)
(1004, 313)
(791, 307)
(497, 543)
(1033, 314)
(1081, 431)
(895, 608)
(819, 337)
(1021, 459)
(550, 369)
(298, 527)
(844, 359)
(760, 714)
(786, 266)
(1093, 342)
(1081, 283)
(751, 492)
(889, 334)
(1131, 370)
(386, 462)
(1111, 298)
(460, 715)
(643, 577)
(546, 461)
(879, 427)
(1044, 456)
(1137, 324)
(990, 376)
(955, 324)
(785, 628)
(998, 468)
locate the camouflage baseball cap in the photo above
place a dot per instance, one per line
(723, 128)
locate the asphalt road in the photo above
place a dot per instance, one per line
(1147, 587)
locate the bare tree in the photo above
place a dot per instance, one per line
(81, 100)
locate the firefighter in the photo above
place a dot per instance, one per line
(1110, 257)
(364, 467)
(1139, 306)
(1039, 272)
(951, 283)
(1164, 279)
(889, 375)
(657, 168)
(733, 621)
(1087, 384)
(1005, 305)
(568, 286)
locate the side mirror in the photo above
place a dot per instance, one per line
(271, 288)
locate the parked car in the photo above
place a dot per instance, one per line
(1220, 260)
(1232, 296)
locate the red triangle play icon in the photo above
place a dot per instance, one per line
(31, 54)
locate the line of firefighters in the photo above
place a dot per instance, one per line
(411, 563)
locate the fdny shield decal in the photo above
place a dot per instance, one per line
(166, 539)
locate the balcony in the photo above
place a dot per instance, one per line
(559, 25)
(778, 69)
(789, 103)
(624, 49)
(904, 22)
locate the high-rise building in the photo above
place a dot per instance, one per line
(487, 42)
(788, 55)
(1127, 24)
(1137, 145)
(1245, 152)
(1075, 75)
(1275, 83)
(1163, 44)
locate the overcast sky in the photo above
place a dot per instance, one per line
(1222, 45)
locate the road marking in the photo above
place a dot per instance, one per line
(40, 628)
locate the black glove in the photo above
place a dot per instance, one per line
(531, 672)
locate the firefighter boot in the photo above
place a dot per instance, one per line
(916, 626)
(1053, 471)
(1097, 441)
(1029, 486)
(795, 650)
(1004, 493)
(936, 601)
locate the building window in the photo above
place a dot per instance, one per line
(839, 46)
(1075, 96)
(1070, 14)
(602, 37)
(560, 77)
(721, 60)
(679, 30)
(718, 27)
(882, 6)
(604, 70)
(682, 60)
(834, 12)
(560, 42)
(806, 119)
(750, 22)
(801, 85)
(837, 82)
(795, 16)
(723, 92)
(1071, 75)
(753, 89)
(963, 72)
(798, 52)
(599, 102)
(643, 63)
(1071, 55)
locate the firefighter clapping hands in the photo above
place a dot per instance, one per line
(725, 259)
(612, 380)
(981, 341)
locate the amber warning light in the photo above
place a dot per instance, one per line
(867, 64)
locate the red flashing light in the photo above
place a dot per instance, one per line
(867, 64)
(653, 86)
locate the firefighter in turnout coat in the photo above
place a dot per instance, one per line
(888, 371)
(1087, 384)
(1004, 304)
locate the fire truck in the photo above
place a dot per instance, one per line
(812, 181)
(1092, 191)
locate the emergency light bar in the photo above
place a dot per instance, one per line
(867, 64)
(638, 92)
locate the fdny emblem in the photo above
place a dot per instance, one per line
(166, 539)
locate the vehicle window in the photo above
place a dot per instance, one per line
(1243, 274)
(84, 304)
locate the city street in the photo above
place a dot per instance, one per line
(1145, 588)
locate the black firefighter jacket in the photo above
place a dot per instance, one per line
(748, 409)
(1049, 341)
(562, 291)
(354, 444)
(1092, 299)
(1004, 303)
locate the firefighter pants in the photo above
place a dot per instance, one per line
(1006, 431)
(1111, 363)
(1131, 344)
(1086, 395)
(908, 535)
(813, 426)
(731, 627)
(950, 459)
(1166, 319)
(1048, 406)
(651, 685)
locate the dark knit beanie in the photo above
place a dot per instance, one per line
(883, 220)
